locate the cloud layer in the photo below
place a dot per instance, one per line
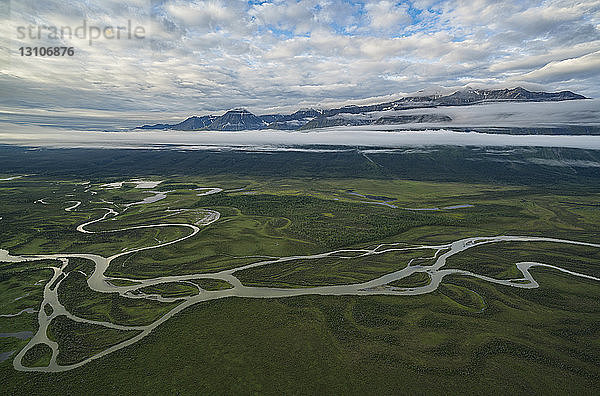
(208, 56)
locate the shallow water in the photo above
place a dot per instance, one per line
(26, 310)
(22, 335)
(380, 286)
(6, 355)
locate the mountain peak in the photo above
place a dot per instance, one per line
(239, 119)
(240, 110)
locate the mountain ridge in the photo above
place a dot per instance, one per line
(240, 119)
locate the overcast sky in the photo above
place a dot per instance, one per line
(208, 56)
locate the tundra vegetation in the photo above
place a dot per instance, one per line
(467, 335)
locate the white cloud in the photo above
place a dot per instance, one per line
(584, 66)
(551, 55)
(203, 56)
(202, 13)
(386, 14)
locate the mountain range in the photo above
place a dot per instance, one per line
(242, 119)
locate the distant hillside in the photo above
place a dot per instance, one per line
(237, 120)
(191, 124)
(471, 96)
(242, 119)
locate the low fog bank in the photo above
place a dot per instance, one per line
(527, 114)
(349, 136)
(97, 132)
(523, 114)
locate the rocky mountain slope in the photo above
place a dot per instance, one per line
(242, 119)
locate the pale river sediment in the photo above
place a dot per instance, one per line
(99, 282)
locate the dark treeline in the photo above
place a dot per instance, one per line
(527, 166)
